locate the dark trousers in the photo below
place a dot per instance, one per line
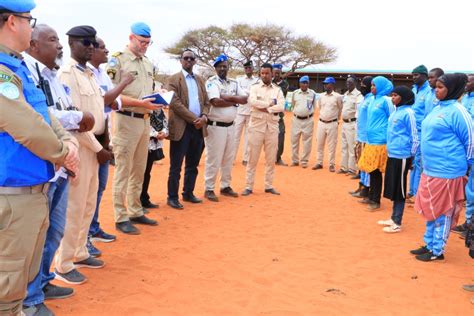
(375, 191)
(281, 138)
(397, 211)
(190, 148)
(144, 196)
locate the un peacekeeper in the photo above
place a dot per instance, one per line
(132, 129)
(224, 94)
(284, 85)
(31, 142)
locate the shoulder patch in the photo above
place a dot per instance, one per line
(112, 73)
(113, 62)
(9, 90)
(4, 77)
(116, 54)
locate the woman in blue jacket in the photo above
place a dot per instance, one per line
(447, 148)
(402, 144)
(374, 155)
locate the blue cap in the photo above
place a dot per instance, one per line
(18, 6)
(219, 59)
(277, 66)
(141, 29)
(329, 80)
(304, 79)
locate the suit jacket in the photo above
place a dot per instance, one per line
(179, 113)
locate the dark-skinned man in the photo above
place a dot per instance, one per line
(431, 100)
(86, 96)
(32, 142)
(243, 111)
(43, 56)
(267, 101)
(303, 102)
(330, 107)
(111, 101)
(187, 116)
(350, 100)
(283, 84)
(421, 89)
(225, 96)
(132, 129)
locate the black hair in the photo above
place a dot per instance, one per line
(438, 71)
(267, 65)
(187, 50)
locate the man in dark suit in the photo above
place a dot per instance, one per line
(187, 117)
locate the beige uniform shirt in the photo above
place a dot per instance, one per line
(260, 97)
(215, 87)
(330, 106)
(86, 96)
(26, 126)
(246, 83)
(350, 101)
(140, 67)
(304, 102)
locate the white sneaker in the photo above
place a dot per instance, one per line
(392, 228)
(388, 222)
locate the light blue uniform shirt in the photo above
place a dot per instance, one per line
(421, 94)
(402, 136)
(193, 94)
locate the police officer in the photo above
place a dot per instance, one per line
(303, 102)
(34, 138)
(352, 97)
(330, 106)
(267, 101)
(284, 85)
(243, 111)
(224, 94)
(132, 129)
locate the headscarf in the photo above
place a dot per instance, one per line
(367, 81)
(408, 97)
(455, 84)
(383, 86)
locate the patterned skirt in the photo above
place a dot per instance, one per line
(373, 157)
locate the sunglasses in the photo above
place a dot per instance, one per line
(189, 58)
(88, 42)
(30, 19)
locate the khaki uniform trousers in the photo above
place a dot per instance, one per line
(301, 129)
(130, 142)
(269, 140)
(327, 131)
(80, 211)
(241, 125)
(220, 149)
(24, 221)
(348, 141)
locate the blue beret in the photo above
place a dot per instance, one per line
(277, 66)
(18, 6)
(329, 80)
(304, 79)
(219, 59)
(82, 31)
(141, 29)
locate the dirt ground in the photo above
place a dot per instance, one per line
(311, 251)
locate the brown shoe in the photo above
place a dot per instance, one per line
(295, 164)
(317, 166)
(332, 168)
(281, 163)
(211, 196)
(365, 201)
(372, 207)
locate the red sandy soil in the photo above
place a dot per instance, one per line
(311, 251)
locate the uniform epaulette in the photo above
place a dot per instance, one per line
(116, 54)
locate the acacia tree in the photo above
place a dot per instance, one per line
(261, 43)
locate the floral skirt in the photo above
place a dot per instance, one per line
(373, 157)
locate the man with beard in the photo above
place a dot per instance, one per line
(284, 85)
(243, 111)
(86, 96)
(132, 129)
(421, 89)
(224, 94)
(267, 101)
(330, 107)
(42, 58)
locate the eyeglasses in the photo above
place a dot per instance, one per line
(30, 19)
(88, 42)
(144, 42)
(189, 58)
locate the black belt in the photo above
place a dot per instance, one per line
(331, 121)
(133, 114)
(349, 120)
(221, 124)
(304, 117)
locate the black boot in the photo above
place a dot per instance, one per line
(363, 193)
(356, 191)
